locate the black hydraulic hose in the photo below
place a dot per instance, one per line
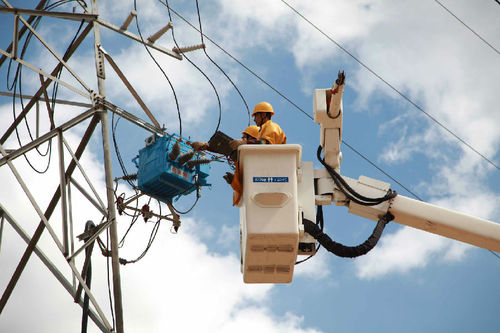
(343, 184)
(349, 192)
(347, 251)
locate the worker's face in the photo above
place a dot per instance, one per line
(259, 118)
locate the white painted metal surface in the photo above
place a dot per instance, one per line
(330, 125)
(307, 206)
(447, 223)
(269, 212)
(418, 214)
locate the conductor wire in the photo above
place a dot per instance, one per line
(192, 63)
(213, 62)
(161, 69)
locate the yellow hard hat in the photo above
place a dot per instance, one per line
(263, 107)
(253, 131)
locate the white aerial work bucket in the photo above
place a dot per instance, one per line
(269, 214)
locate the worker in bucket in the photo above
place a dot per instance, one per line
(270, 133)
(250, 134)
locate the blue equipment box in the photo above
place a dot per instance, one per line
(164, 179)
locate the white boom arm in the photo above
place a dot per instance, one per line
(407, 211)
(410, 212)
(329, 101)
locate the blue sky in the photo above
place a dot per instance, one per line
(411, 282)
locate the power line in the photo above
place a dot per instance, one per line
(492, 252)
(402, 95)
(198, 68)
(287, 99)
(161, 69)
(17, 84)
(392, 87)
(305, 113)
(213, 62)
(470, 29)
(242, 65)
(379, 169)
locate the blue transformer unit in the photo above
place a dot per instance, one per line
(165, 179)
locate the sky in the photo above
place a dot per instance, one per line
(411, 281)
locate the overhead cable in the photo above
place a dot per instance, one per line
(17, 84)
(282, 95)
(199, 69)
(161, 69)
(213, 62)
(87, 275)
(470, 29)
(198, 195)
(320, 222)
(117, 151)
(392, 87)
(110, 295)
(241, 64)
(379, 169)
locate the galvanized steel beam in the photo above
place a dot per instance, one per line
(47, 136)
(138, 39)
(63, 15)
(37, 95)
(52, 268)
(30, 19)
(117, 292)
(48, 213)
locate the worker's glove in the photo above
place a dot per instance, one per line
(198, 145)
(234, 144)
(228, 177)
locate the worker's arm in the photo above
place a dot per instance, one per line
(198, 145)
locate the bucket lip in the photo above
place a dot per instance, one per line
(274, 149)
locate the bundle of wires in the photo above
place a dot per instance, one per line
(17, 85)
(316, 229)
(348, 191)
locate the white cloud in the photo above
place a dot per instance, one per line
(195, 96)
(180, 285)
(267, 21)
(337, 19)
(179, 279)
(256, 320)
(408, 249)
(228, 236)
(400, 252)
(316, 268)
(197, 290)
